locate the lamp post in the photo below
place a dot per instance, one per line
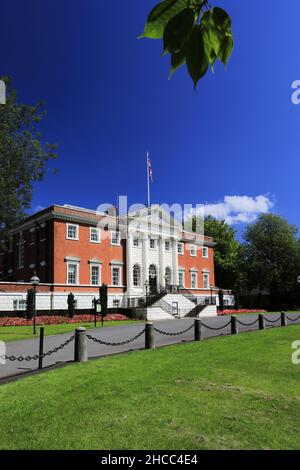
(146, 284)
(34, 282)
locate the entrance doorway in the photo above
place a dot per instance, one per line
(152, 279)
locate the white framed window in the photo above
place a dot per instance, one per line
(136, 241)
(116, 303)
(116, 276)
(168, 276)
(72, 232)
(19, 304)
(167, 245)
(72, 273)
(136, 275)
(206, 283)
(114, 237)
(95, 271)
(21, 252)
(180, 248)
(194, 280)
(95, 235)
(204, 252)
(152, 243)
(181, 280)
(193, 250)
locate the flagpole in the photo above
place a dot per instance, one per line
(148, 179)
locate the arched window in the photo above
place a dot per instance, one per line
(136, 275)
(152, 271)
(168, 276)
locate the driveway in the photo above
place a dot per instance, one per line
(121, 333)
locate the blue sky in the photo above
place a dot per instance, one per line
(109, 100)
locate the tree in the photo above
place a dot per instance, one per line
(23, 157)
(272, 254)
(103, 300)
(30, 304)
(227, 252)
(193, 33)
(71, 305)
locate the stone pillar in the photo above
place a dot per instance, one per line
(129, 266)
(145, 276)
(161, 247)
(175, 263)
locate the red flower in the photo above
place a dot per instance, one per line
(57, 320)
(241, 310)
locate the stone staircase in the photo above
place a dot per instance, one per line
(165, 308)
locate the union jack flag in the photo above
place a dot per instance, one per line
(150, 171)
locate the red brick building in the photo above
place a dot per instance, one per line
(75, 250)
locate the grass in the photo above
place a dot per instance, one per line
(16, 333)
(235, 392)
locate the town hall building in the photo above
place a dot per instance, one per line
(138, 255)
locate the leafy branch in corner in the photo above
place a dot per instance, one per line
(193, 33)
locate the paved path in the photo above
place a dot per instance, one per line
(118, 334)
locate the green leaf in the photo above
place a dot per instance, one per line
(205, 19)
(196, 60)
(209, 50)
(160, 16)
(221, 19)
(177, 60)
(178, 30)
(216, 39)
(226, 49)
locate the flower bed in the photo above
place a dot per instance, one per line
(56, 320)
(241, 310)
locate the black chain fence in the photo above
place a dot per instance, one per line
(216, 328)
(177, 333)
(293, 319)
(272, 321)
(121, 343)
(38, 356)
(247, 324)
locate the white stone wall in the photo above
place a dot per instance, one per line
(56, 301)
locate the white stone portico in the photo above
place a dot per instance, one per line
(151, 250)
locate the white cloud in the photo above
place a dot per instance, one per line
(239, 209)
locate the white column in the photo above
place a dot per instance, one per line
(145, 276)
(175, 262)
(162, 280)
(129, 266)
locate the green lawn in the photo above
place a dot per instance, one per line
(235, 392)
(15, 333)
